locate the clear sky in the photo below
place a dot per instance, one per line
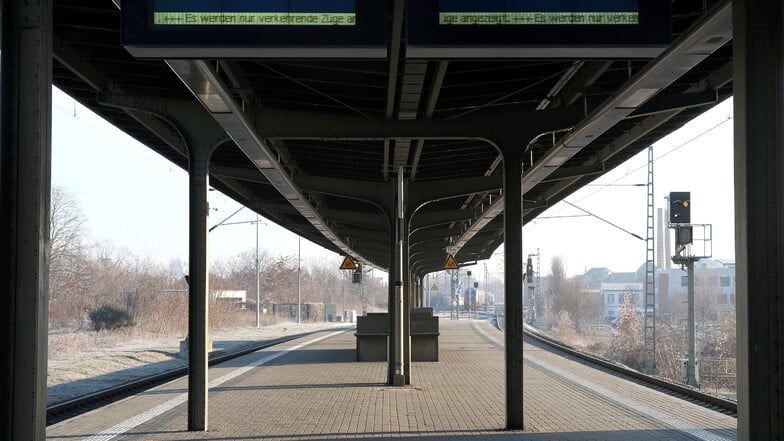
(135, 199)
(697, 158)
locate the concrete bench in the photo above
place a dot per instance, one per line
(424, 335)
(372, 337)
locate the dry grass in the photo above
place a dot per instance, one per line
(81, 362)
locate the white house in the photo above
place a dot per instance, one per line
(614, 295)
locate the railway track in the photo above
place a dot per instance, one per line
(71, 408)
(717, 403)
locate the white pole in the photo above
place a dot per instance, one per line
(299, 268)
(372, 291)
(485, 287)
(258, 316)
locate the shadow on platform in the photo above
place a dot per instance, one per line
(297, 387)
(268, 387)
(501, 435)
(303, 356)
(63, 392)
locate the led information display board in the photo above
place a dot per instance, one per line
(254, 13)
(538, 28)
(255, 28)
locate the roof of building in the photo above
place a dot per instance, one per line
(633, 286)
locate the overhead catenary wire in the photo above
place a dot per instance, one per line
(604, 220)
(685, 143)
(667, 153)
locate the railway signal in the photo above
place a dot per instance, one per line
(680, 207)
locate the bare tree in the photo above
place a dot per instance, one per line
(68, 263)
(558, 271)
(570, 296)
(66, 228)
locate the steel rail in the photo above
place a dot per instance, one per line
(724, 405)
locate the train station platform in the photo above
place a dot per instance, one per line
(313, 388)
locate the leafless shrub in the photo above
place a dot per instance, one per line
(627, 347)
(564, 328)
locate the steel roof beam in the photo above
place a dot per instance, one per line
(74, 62)
(427, 219)
(239, 173)
(202, 80)
(422, 193)
(436, 84)
(588, 74)
(645, 125)
(377, 193)
(705, 37)
(282, 124)
(360, 218)
(667, 102)
(579, 172)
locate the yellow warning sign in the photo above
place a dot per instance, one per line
(348, 264)
(450, 263)
(434, 287)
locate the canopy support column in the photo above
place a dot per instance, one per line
(198, 287)
(397, 293)
(513, 283)
(758, 45)
(25, 187)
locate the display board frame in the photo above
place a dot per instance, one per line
(429, 38)
(277, 37)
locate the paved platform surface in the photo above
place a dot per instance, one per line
(313, 389)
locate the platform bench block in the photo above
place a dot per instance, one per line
(424, 335)
(372, 337)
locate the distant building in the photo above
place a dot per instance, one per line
(714, 287)
(593, 278)
(615, 294)
(614, 288)
(233, 297)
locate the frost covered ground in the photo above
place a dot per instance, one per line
(84, 362)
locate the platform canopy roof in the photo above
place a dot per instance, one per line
(316, 144)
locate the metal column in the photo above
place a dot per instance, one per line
(408, 293)
(758, 45)
(396, 376)
(691, 367)
(454, 312)
(391, 299)
(25, 186)
(423, 288)
(513, 279)
(198, 307)
(426, 291)
(418, 297)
